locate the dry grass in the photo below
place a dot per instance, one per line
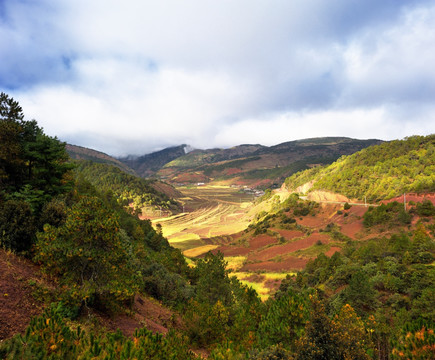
(235, 262)
(258, 281)
(200, 250)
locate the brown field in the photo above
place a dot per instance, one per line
(279, 250)
(286, 265)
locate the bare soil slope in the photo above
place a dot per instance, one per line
(18, 278)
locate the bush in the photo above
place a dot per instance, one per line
(89, 253)
(17, 228)
(387, 214)
(426, 208)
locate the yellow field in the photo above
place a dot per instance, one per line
(197, 251)
(258, 281)
(209, 211)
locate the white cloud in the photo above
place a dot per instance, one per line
(131, 76)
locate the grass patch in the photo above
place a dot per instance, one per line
(261, 290)
(188, 244)
(235, 262)
(259, 286)
(183, 238)
(197, 251)
(278, 276)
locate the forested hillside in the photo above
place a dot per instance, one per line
(128, 189)
(378, 172)
(81, 153)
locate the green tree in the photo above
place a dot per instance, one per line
(319, 341)
(213, 283)
(88, 250)
(284, 321)
(28, 157)
(17, 225)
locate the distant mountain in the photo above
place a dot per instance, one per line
(147, 165)
(378, 172)
(257, 165)
(82, 153)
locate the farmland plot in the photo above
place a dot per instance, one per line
(209, 211)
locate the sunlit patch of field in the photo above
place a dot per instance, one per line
(261, 283)
(181, 237)
(209, 211)
(200, 250)
(188, 244)
(235, 262)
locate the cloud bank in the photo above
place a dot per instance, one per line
(135, 76)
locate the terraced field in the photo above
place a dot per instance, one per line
(209, 211)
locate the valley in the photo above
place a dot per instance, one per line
(97, 262)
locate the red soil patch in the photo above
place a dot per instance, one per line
(261, 241)
(413, 197)
(351, 229)
(312, 221)
(288, 264)
(289, 234)
(17, 305)
(357, 210)
(147, 312)
(332, 251)
(255, 243)
(229, 250)
(190, 178)
(274, 251)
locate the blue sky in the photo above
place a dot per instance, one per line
(135, 76)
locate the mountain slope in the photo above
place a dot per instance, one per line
(378, 172)
(257, 165)
(147, 165)
(82, 153)
(130, 190)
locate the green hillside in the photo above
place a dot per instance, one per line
(128, 189)
(378, 172)
(82, 153)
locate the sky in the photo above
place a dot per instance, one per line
(136, 76)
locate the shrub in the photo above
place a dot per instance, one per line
(89, 253)
(17, 228)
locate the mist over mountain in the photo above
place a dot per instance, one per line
(148, 164)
